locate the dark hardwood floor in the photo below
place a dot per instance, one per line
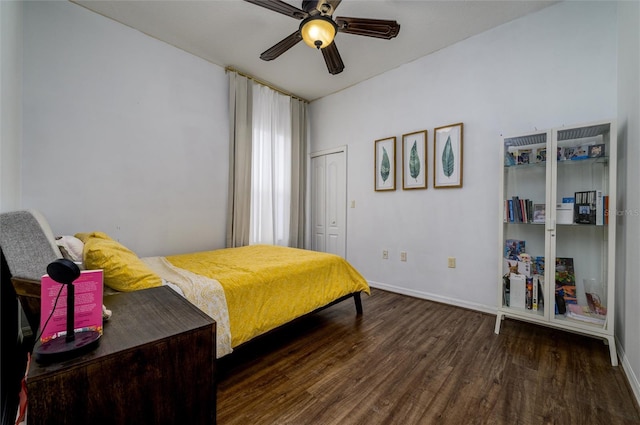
(411, 361)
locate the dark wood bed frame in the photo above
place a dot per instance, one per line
(357, 299)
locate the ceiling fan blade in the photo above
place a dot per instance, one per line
(281, 7)
(281, 47)
(379, 28)
(332, 59)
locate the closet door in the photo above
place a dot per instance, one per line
(328, 202)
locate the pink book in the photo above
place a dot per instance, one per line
(88, 304)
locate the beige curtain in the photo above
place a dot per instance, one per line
(239, 205)
(240, 165)
(299, 130)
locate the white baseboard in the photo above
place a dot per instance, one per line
(634, 383)
(434, 297)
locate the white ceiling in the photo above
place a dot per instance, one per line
(234, 33)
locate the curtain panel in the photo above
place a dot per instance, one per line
(268, 165)
(271, 168)
(299, 149)
(240, 132)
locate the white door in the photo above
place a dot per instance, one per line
(329, 203)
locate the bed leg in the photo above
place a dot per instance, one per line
(358, 301)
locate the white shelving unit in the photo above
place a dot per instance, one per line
(571, 247)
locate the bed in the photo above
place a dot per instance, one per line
(249, 291)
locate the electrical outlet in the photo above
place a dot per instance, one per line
(451, 262)
(385, 255)
(403, 256)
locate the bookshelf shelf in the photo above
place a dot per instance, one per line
(556, 237)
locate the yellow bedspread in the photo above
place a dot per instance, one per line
(266, 286)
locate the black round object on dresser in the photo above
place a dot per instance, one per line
(74, 342)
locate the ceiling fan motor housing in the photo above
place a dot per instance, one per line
(318, 31)
(310, 6)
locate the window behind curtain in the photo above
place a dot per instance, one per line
(271, 168)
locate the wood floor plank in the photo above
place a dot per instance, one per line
(411, 361)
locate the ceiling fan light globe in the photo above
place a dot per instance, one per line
(318, 31)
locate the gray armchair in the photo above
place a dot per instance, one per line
(28, 246)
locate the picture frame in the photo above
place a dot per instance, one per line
(447, 156)
(385, 164)
(596, 151)
(539, 213)
(414, 160)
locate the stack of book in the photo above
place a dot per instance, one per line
(591, 207)
(584, 314)
(518, 210)
(523, 287)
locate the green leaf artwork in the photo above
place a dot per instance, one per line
(414, 161)
(385, 166)
(448, 162)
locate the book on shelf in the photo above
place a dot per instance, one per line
(538, 292)
(567, 153)
(516, 266)
(523, 211)
(596, 151)
(581, 313)
(524, 156)
(529, 293)
(509, 208)
(506, 289)
(565, 277)
(518, 210)
(599, 209)
(538, 265)
(605, 208)
(565, 213)
(518, 290)
(580, 152)
(509, 159)
(513, 248)
(585, 207)
(539, 213)
(87, 305)
(534, 294)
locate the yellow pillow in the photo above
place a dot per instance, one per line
(83, 236)
(123, 270)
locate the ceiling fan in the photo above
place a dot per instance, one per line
(318, 29)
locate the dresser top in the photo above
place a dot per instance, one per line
(139, 318)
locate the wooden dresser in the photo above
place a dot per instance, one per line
(155, 365)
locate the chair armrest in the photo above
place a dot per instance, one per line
(28, 292)
(26, 287)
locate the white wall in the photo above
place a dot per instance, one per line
(10, 104)
(555, 67)
(122, 133)
(628, 235)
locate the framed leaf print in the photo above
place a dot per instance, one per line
(414, 160)
(385, 165)
(447, 156)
